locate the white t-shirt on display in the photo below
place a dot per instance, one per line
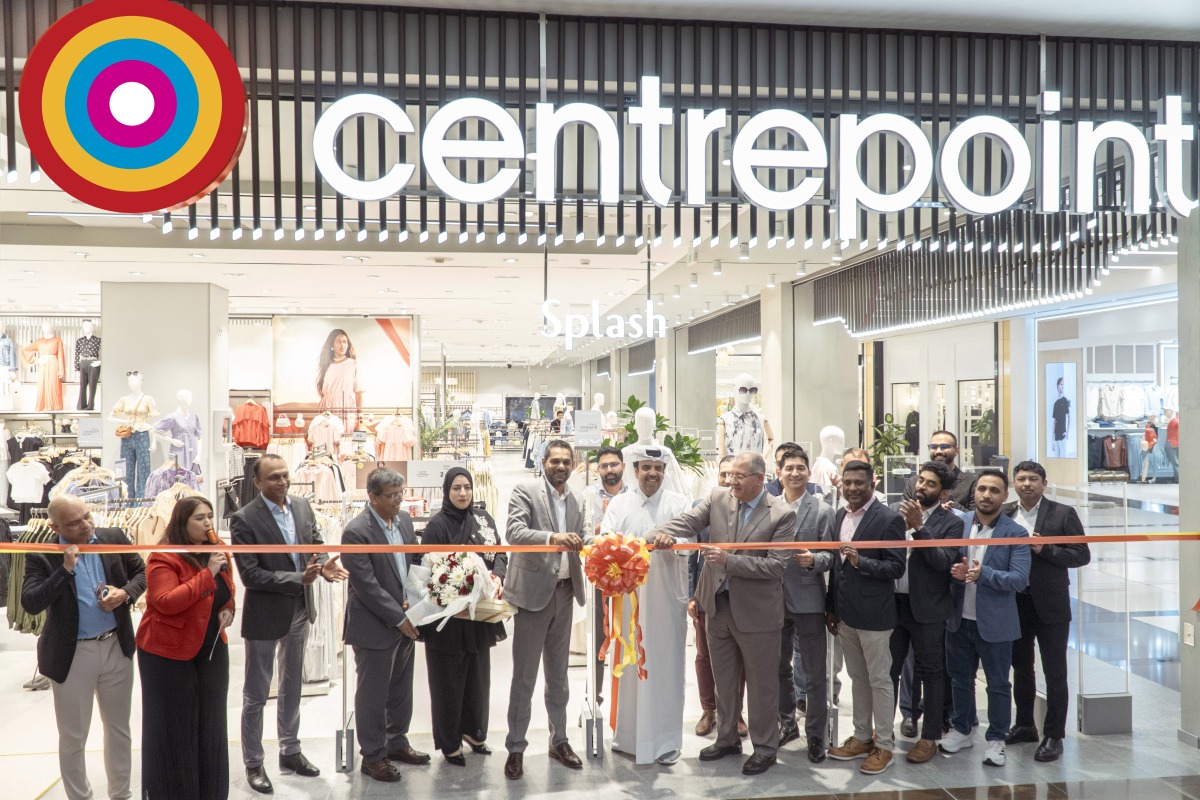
(28, 479)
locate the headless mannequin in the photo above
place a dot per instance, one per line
(644, 423)
(172, 446)
(598, 401)
(833, 444)
(755, 442)
(135, 410)
(87, 364)
(535, 410)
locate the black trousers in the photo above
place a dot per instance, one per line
(89, 379)
(1052, 643)
(927, 640)
(460, 686)
(185, 738)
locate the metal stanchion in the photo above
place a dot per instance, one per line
(344, 757)
(593, 718)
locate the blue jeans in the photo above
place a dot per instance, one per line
(962, 647)
(135, 450)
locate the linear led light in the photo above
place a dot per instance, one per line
(724, 344)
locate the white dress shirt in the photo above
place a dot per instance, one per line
(1028, 519)
(974, 553)
(558, 507)
(902, 581)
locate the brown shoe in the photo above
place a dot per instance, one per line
(743, 731)
(564, 755)
(513, 767)
(877, 762)
(406, 755)
(381, 770)
(922, 751)
(851, 749)
(708, 721)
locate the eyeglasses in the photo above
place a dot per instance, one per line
(737, 478)
(942, 446)
(393, 496)
(747, 390)
(134, 372)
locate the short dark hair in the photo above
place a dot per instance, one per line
(785, 446)
(610, 451)
(381, 478)
(257, 468)
(940, 470)
(858, 466)
(953, 438)
(993, 473)
(795, 451)
(561, 444)
(1030, 466)
(728, 457)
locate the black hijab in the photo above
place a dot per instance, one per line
(455, 515)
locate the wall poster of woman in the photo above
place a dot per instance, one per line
(337, 378)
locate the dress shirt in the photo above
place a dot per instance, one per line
(287, 526)
(975, 553)
(601, 498)
(902, 581)
(744, 512)
(1028, 519)
(558, 507)
(89, 573)
(851, 520)
(392, 531)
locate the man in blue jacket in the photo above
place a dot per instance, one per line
(985, 622)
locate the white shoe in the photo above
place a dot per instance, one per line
(955, 741)
(669, 759)
(995, 754)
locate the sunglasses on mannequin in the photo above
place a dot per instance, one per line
(745, 390)
(134, 372)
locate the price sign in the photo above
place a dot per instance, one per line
(588, 433)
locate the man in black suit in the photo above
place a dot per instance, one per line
(924, 602)
(1044, 608)
(379, 630)
(276, 613)
(86, 646)
(862, 614)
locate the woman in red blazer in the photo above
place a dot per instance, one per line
(183, 660)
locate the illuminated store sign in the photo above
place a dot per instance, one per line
(580, 326)
(810, 153)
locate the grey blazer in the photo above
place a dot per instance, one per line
(532, 576)
(375, 600)
(804, 589)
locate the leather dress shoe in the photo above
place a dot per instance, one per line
(458, 759)
(298, 764)
(1022, 733)
(802, 705)
(908, 728)
(816, 749)
(478, 747)
(406, 755)
(708, 721)
(743, 731)
(1049, 750)
(715, 752)
(789, 732)
(757, 765)
(514, 767)
(564, 755)
(258, 780)
(381, 770)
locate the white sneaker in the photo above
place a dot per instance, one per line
(955, 741)
(995, 754)
(669, 759)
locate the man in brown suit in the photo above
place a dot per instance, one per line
(741, 592)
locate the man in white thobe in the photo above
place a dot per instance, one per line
(650, 712)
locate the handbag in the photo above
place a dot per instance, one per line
(124, 431)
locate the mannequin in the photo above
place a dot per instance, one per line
(535, 410)
(181, 433)
(1172, 446)
(568, 420)
(833, 445)
(50, 357)
(135, 410)
(560, 401)
(598, 401)
(744, 429)
(8, 373)
(87, 364)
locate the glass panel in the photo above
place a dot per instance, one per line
(896, 472)
(906, 411)
(978, 433)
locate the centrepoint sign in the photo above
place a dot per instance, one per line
(850, 193)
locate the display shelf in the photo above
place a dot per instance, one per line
(35, 415)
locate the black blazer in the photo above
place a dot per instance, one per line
(929, 568)
(1048, 578)
(271, 579)
(865, 598)
(50, 588)
(375, 600)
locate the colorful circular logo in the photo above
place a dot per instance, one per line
(133, 107)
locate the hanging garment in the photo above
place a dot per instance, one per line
(136, 412)
(1115, 455)
(912, 432)
(1109, 406)
(167, 476)
(8, 353)
(327, 431)
(744, 431)
(395, 438)
(1092, 399)
(251, 425)
(50, 358)
(184, 426)
(1133, 402)
(28, 480)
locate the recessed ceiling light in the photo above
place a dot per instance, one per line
(81, 254)
(135, 273)
(510, 261)
(265, 291)
(504, 291)
(197, 255)
(310, 208)
(27, 271)
(234, 274)
(372, 276)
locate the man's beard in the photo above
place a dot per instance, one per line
(611, 478)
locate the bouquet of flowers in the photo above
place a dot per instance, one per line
(449, 585)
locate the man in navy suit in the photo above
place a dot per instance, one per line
(985, 622)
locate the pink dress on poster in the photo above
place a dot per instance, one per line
(340, 392)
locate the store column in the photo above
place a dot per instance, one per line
(1189, 474)
(777, 328)
(689, 383)
(176, 337)
(825, 382)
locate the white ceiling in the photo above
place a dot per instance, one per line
(1152, 19)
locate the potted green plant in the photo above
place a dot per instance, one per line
(889, 441)
(686, 448)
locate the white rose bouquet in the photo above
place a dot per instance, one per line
(449, 584)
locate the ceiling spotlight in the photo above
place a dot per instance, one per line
(771, 281)
(694, 283)
(81, 254)
(717, 268)
(746, 292)
(510, 261)
(744, 252)
(707, 308)
(691, 315)
(801, 269)
(676, 292)
(727, 158)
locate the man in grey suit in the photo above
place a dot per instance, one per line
(276, 613)
(804, 609)
(379, 630)
(741, 593)
(543, 586)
